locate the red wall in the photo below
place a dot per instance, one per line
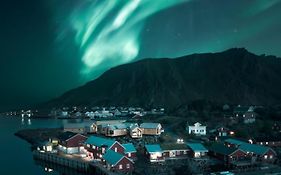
(124, 163)
(75, 141)
(120, 149)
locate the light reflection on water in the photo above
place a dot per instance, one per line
(16, 156)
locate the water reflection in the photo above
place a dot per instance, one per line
(51, 168)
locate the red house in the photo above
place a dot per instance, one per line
(130, 151)
(229, 155)
(97, 146)
(118, 162)
(71, 143)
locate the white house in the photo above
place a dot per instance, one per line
(197, 129)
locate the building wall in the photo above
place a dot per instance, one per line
(175, 153)
(149, 131)
(116, 132)
(133, 156)
(75, 141)
(136, 133)
(197, 130)
(118, 148)
(127, 166)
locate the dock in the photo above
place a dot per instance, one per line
(69, 161)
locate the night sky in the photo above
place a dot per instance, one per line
(50, 46)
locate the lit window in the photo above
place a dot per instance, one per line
(128, 165)
(271, 156)
(115, 149)
(94, 147)
(265, 156)
(129, 154)
(120, 167)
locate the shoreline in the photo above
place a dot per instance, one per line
(37, 136)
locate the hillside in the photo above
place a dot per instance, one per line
(235, 76)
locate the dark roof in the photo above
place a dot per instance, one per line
(174, 146)
(222, 149)
(99, 141)
(197, 147)
(112, 157)
(66, 135)
(234, 141)
(129, 148)
(257, 149)
(153, 148)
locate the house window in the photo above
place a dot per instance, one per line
(94, 147)
(120, 167)
(115, 149)
(129, 154)
(265, 156)
(271, 156)
(128, 166)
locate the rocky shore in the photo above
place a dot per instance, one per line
(37, 136)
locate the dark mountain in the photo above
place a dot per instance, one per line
(235, 76)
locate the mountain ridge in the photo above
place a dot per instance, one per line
(233, 76)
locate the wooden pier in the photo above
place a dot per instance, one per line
(73, 163)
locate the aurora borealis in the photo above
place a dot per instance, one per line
(51, 46)
(109, 31)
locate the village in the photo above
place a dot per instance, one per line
(141, 144)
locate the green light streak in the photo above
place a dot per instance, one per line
(108, 32)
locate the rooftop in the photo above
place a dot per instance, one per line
(174, 146)
(153, 148)
(197, 147)
(129, 148)
(235, 141)
(99, 141)
(66, 135)
(149, 125)
(257, 149)
(222, 149)
(112, 157)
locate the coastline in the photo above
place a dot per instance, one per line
(38, 136)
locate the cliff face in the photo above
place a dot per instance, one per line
(232, 76)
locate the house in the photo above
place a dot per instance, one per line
(197, 129)
(117, 162)
(74, 127)
(130, 151)
(46, 146)
(175, 150)
(135, 131)
(240, 110)
(151, 128)
(259, 152)
(249, 117)
(245, 113)
(220, 133)
(154, 153)
(197, 150)
(114, 130)
(262, 153)
(99, 126)
(229, 155)
(97, 146)
(71, 143)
